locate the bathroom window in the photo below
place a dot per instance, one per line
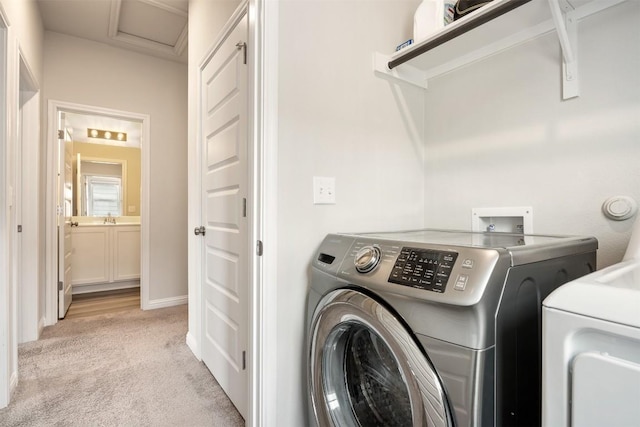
(103, 196)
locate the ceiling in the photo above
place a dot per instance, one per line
(153, 27)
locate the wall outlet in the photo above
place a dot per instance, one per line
(324, 190)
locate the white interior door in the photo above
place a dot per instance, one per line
(225, 267)
(64, 224)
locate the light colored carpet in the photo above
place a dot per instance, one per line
(123, 369)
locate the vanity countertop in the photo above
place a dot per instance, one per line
(84, 221)
(101, 224)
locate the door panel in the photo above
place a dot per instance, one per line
(64, 227)
(224, 191)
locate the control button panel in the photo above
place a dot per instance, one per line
(423, 268)
(467, 263)
(461, 282)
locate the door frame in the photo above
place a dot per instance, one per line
(29, 269)
(7, 351)
(51, 251)
(263, 127)
(262, 198)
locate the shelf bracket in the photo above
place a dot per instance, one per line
(404, 72)
(567, 29)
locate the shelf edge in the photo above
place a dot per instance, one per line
(483, 15)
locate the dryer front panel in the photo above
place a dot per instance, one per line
(367, 370)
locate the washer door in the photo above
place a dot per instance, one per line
(365, 368)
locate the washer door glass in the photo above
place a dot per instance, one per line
(362, 375)
(366, 369)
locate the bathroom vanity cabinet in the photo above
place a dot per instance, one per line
(104, 256)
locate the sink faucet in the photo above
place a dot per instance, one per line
(109, 219)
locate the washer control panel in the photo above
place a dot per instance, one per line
(423, 268)
(367, 259)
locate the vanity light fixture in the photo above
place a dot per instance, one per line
(106, 134)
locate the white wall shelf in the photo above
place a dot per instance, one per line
(498, 26)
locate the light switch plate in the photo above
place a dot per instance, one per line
(324, 190)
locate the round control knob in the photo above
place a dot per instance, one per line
(367, 259)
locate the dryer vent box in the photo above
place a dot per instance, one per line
(505, 219)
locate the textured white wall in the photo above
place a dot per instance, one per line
(498, 134)
(86, 72)
(338, 119)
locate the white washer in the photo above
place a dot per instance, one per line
(591, 347)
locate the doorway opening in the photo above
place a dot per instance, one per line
(98, 200)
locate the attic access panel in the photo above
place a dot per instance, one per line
(155, 24)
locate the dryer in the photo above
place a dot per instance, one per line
(591, 347)
(433, 327)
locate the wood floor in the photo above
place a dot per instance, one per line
(95, 303)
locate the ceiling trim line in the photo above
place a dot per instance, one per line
(149, 44)
(181, 43)
(114, 18)
(165, 7)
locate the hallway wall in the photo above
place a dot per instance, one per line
(85, 72)
(24, 37)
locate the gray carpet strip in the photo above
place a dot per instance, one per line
(130, 368)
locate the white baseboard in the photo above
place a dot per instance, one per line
(166, 302)
(13, 382)
(41, 323)
(99, 287)
(192, 343)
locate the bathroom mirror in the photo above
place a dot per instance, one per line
(107, 183)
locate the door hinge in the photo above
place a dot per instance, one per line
(19, 228)
(243, 46)
(60, 285)
(244, 360)
(259, 248)
(60, 134)
(199, 230)
(244, 207)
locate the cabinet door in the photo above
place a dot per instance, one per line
(126, 253)
(90, 255)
